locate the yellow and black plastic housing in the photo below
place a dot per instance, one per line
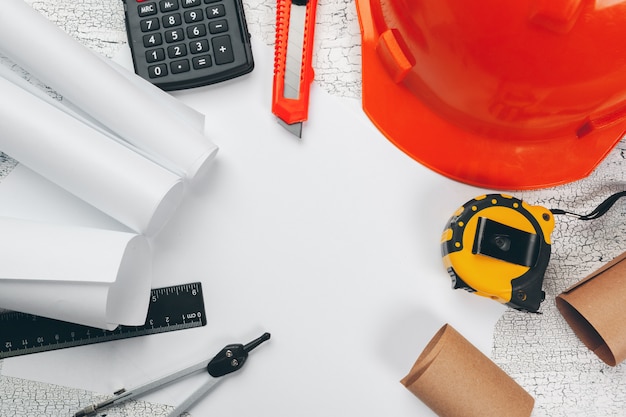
(498, 246)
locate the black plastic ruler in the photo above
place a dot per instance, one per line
(171, 308)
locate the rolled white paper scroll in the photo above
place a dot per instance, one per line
(114, 100)
(111, 177)
(94, 277)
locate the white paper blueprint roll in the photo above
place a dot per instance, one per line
(114, 100)
(111, 177)
(93, 277)
(176, 108)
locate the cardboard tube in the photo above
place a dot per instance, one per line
(595, 309)
(455, 379)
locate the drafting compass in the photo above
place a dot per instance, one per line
(230, 359)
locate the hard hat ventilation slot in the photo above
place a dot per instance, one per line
(600, 121)
(394, 54)
(556, 15)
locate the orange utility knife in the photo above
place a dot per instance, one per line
(293, 69)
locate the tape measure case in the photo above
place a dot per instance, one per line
(498, 246)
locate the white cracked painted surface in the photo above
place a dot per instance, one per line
(540, 351)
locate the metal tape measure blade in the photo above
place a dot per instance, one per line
(172, 308)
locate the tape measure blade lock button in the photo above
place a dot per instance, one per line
(498, 247)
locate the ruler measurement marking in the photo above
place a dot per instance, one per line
(22, 333)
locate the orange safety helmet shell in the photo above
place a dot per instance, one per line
(505, 95)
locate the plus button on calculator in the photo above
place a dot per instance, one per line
(178, 44)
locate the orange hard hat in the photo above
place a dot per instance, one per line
(506, 95)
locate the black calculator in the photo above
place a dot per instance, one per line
(178, 44)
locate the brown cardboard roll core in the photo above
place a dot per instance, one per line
(595, 309)
(455, 379)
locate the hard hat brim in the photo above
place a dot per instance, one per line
(464, 155)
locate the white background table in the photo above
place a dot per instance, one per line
(331, 243)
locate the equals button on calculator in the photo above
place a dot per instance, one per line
(178, 44)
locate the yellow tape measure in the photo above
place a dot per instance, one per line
(498, 246)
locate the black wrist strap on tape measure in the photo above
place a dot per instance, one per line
(598, 212)
(499, 247)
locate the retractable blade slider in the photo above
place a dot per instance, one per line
(293, 69)
(295, 49)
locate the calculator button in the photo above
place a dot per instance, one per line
(222, 49)
(155, 55)
(176, 51)
(215, 11)
(152, 40)
(175, 35)
(179, 66)
(155, 71)
(191, 3)
(193, 16)
(149, 25)
(184, 43)
(201, 62)
(196, 31)
(173, 19)
(168, 5)
(199, 46)
(218, 26)
(147, 9)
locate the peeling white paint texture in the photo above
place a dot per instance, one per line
(541, 352)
